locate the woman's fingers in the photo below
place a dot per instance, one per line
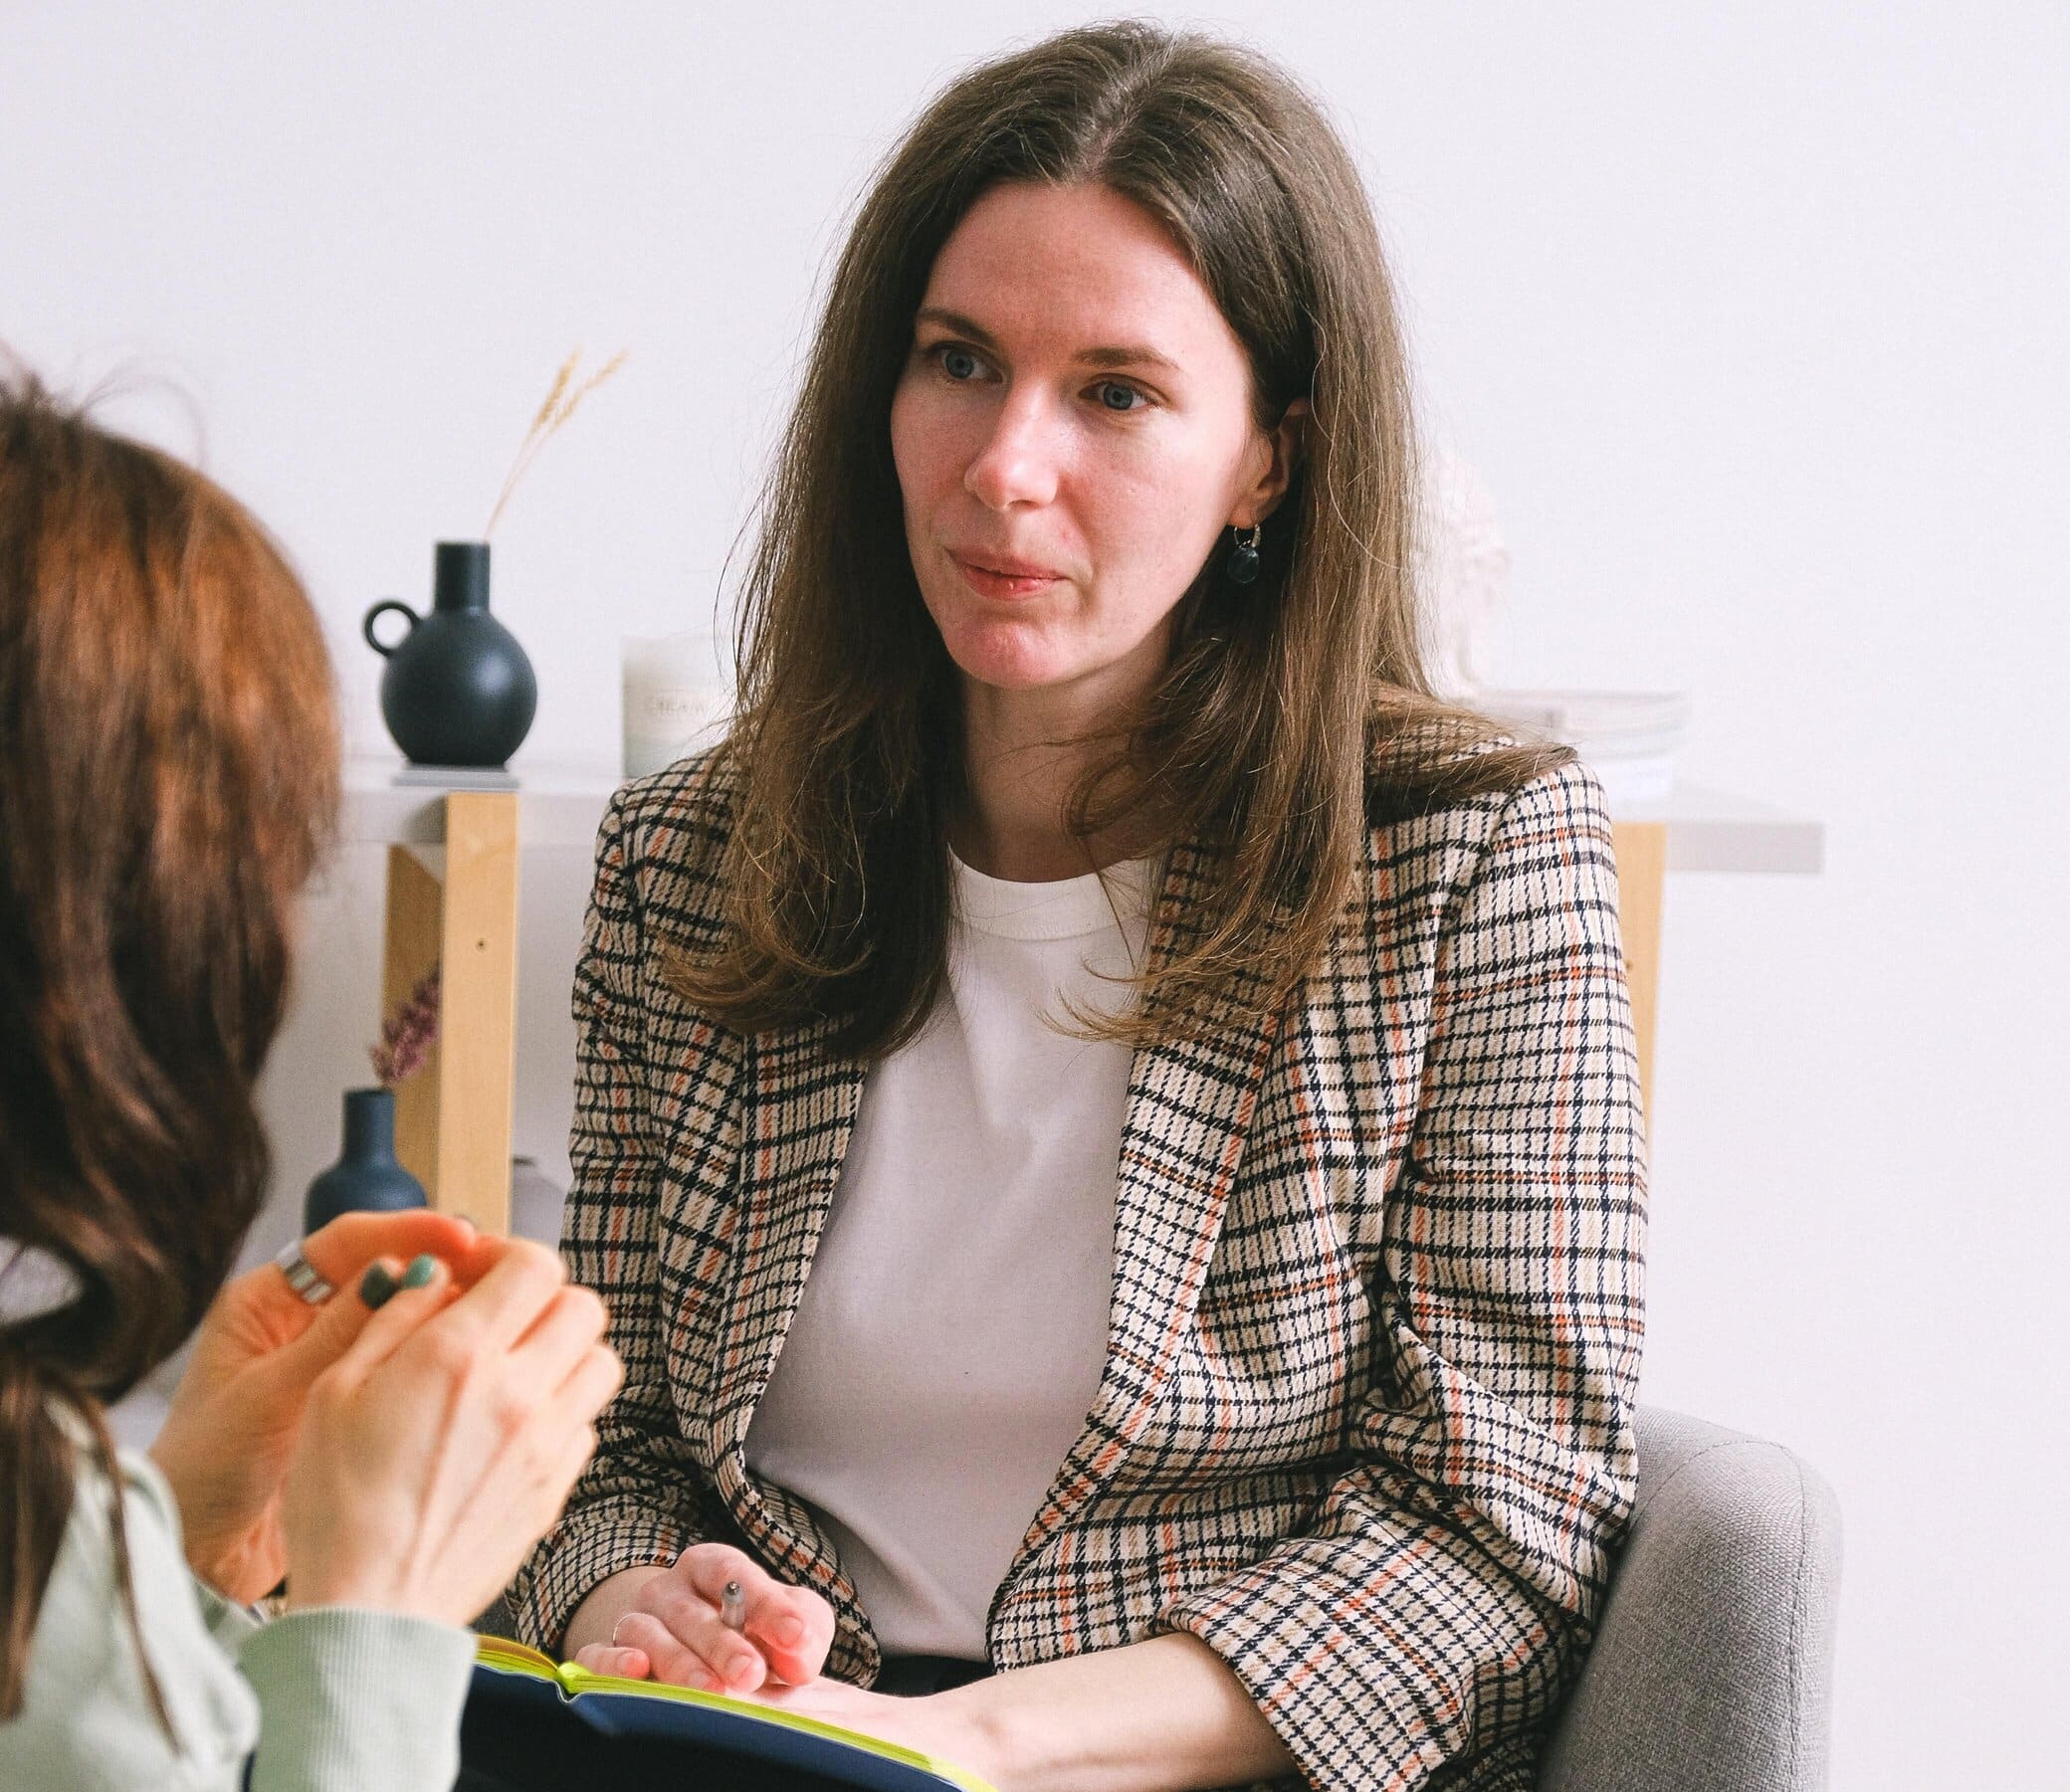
(791, 1626)
(795, 1634)
(337, 1324)
(401, 1313)
(340, 1251)
(675, 1624)
(668, 1658)
(502, 1307)
(560, 1466)
(475, 1323)
(590, 1382)
(558, 1338)
(625, 1664)
(734, 1662)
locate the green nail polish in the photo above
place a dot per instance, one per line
(420, 1271)
(377, 1286)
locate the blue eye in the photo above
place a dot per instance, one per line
(945, 354)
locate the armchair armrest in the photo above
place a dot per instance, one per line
(1711, 1667)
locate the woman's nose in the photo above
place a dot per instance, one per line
(1017, 461)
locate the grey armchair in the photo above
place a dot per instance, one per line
(1711, 1667)
(1713, 1664)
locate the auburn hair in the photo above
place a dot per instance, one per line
(168, 780)
(1294, 714)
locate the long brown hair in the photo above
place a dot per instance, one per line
(169, 778)
(1294, 714)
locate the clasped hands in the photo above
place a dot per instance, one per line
(407, 1459)
(403, 1460)
(666, 1627)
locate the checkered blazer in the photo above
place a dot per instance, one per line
(1365, 1425)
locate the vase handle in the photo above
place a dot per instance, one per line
(366, 627)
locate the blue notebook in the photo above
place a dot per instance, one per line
(527, 1715)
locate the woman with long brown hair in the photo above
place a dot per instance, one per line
(169, 778)
(1107, 1116)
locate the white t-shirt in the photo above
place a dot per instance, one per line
(951, 1334)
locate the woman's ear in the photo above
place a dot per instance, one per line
(1287, 441)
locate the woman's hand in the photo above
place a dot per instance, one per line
(238, 1409)
(670, 1630)
(441, 1444)
(947, 1725)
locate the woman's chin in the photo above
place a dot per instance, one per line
(1009, 657)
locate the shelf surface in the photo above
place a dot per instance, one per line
(1717, 831)
(561, 804)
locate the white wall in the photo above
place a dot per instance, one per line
(1753, 320)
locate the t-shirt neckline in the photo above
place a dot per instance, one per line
(1061, 908)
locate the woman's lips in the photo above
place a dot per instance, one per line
(987, 583)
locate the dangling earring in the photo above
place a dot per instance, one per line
(1243, 563)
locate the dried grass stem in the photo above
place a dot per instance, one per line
(561, 399)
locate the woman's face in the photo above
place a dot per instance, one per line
(1073, 403)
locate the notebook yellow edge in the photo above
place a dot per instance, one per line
(506, 1653)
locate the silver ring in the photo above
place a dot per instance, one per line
(302, 1274)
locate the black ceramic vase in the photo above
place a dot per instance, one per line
(457, 689)
(367, 1176)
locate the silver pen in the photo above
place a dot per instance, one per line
(732, 1605)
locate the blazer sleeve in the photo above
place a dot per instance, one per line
(1428, 1620)
(642, 1497)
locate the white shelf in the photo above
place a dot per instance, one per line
(561, 805)
(1715, 831)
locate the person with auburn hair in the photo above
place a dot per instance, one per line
(169, 778)
(1107, 1115)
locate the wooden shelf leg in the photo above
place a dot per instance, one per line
(478, 1019)
(410, 953)
(1642, 864)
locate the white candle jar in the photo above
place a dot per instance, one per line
(676, 699)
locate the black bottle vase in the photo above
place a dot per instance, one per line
(367, 1176)
(457, 689)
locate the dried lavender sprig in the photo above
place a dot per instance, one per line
(408, 1035)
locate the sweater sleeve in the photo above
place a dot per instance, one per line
(330, 1700)
(642, 1497)
(353, 1699)
(1429, 1619)
(348, 1698)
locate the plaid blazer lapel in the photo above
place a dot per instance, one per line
(1189, 1109)
(801, 1107)
(802, 1101)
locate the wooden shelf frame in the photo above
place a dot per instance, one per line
(1642, 868)
(456, 912)
(452, 902)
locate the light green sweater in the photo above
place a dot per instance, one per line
(332, 1699)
